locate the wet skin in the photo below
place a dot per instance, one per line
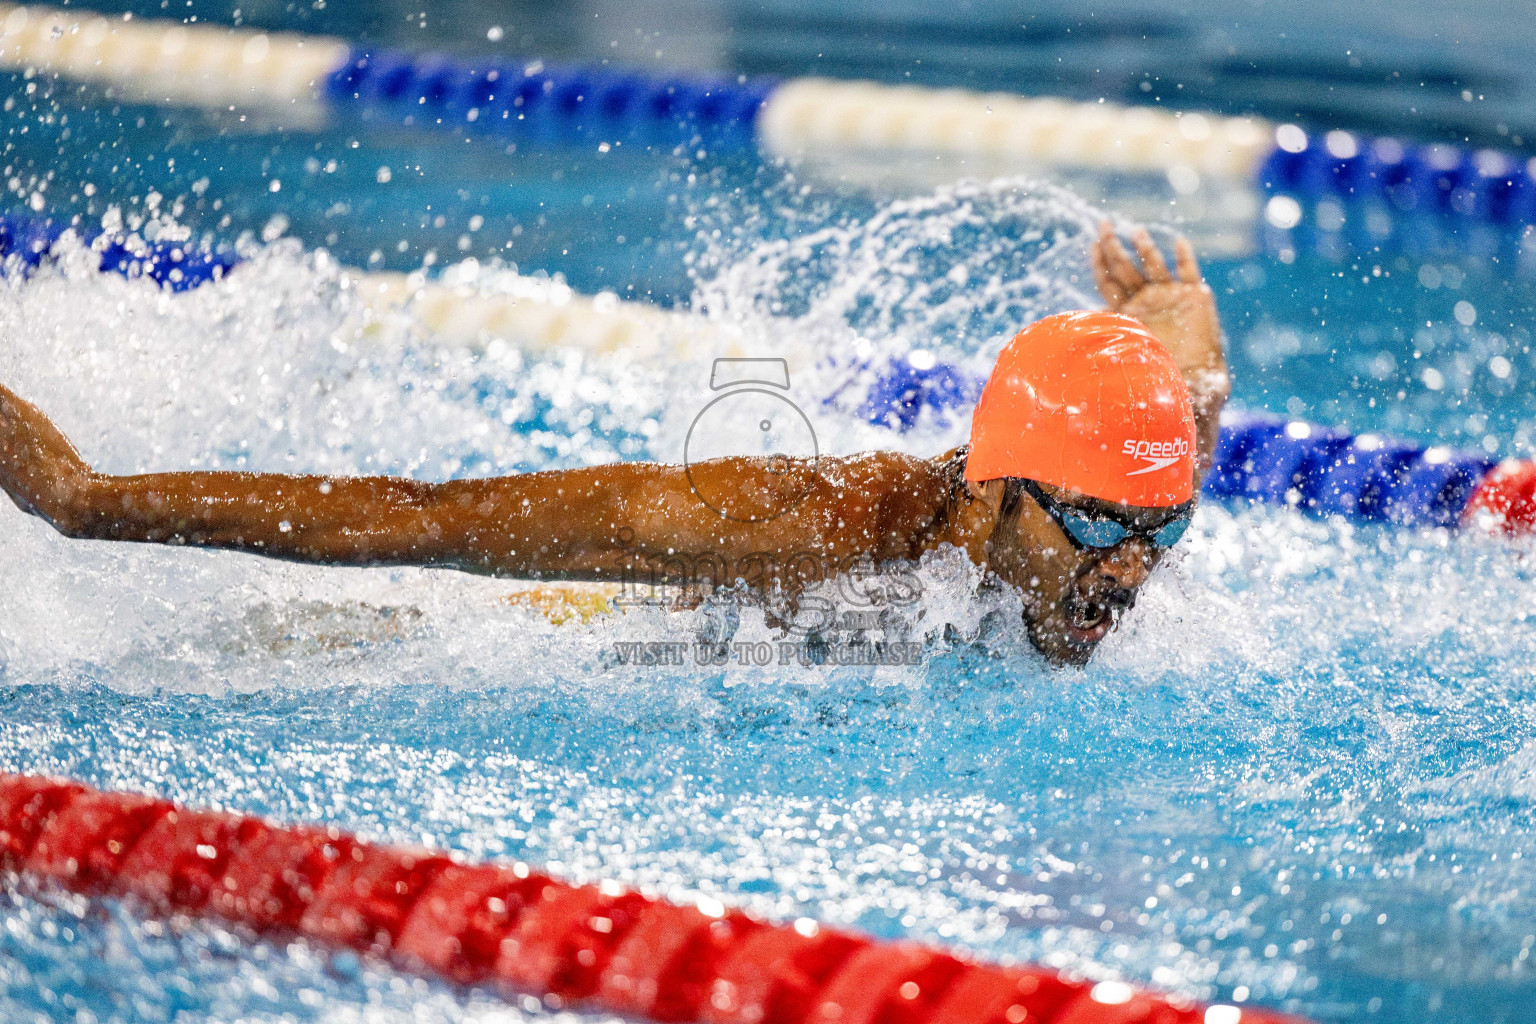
(599, 523)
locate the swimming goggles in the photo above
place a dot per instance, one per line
(1089, 531)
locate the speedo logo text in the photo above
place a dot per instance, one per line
(1158, 454)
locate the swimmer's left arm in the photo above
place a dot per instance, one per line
(594, 523)
(1180, 311)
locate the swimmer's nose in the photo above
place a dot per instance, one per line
(1127, 565)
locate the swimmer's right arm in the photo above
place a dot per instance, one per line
(579, 524)
(1180, 311)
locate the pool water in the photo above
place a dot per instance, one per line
(1300, 773)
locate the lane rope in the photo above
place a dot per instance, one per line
(538, 315)
(567, 100)
(534, 314)
(811, 115)
(1459, 185)
(207, 65)
(517, 929)
(1265, 459)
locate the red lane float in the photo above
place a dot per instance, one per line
(1506, 498)
(524, 931)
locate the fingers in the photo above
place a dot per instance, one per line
(1151, 258)
(1117, 273)
(1113, 294)
(1120, 269)
(1184, 253)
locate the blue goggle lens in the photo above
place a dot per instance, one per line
(1106, 533)
(1094, 533)
(1167, 535)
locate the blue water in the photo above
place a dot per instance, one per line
(1300, 773)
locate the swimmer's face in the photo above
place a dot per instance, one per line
(1073, 597)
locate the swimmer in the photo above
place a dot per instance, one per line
(1085, 458)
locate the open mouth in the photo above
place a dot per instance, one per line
(1088, 621)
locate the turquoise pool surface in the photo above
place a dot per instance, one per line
(1300, 773)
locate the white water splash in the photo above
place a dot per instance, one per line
(1292, 703)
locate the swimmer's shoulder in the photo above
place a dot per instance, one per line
(875, 475)
(894, 495)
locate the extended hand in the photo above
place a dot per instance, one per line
(1180, 311)
(39, 468)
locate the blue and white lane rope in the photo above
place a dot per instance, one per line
(1262, 459)
(533, 314)
(206, 65)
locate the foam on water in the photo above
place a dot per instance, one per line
(950, 276)
(962, 266)
(1300, 770)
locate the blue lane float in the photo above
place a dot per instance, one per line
(571, 99)
(26, 241)
(1327, 473)
(1482, 186)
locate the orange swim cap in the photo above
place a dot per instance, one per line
(1092, 402)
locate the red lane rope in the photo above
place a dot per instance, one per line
(511, 926)
(1506, 498)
